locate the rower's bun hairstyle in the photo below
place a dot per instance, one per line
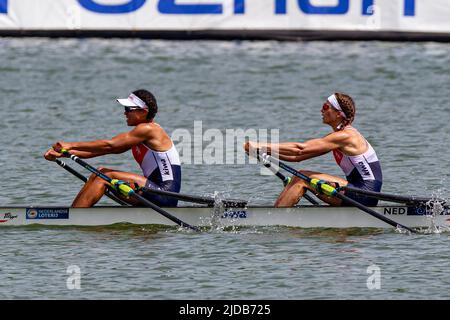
(348, 107)
(149, 100)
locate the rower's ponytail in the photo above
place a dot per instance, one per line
(348, 107)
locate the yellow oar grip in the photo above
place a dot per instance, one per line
(123, 188)
(62, 150)
(324, 188)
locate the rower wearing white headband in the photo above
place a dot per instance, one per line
(352, 152)
(334, 102)
(151, 147)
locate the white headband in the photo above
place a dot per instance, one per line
(334, 102)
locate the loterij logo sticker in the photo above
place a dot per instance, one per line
(47, 213)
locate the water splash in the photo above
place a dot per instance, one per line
(217, 212)
(223, 219)
(435, 207)
(401, 230)
(213, 222)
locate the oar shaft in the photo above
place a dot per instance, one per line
(388, 197)
(129, 192)
(196, 199)
(287, 180)
(268, 165)
(109, 193)
(331, 191)
(63, 165)
(162, 211)
(284, 179)
(371, 212)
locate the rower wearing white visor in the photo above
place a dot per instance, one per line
(352, 152)
(151, 147)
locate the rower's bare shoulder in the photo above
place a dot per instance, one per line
(342, 135)
(152, 126)
(146, 129)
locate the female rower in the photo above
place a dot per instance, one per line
(352, 152)
(152, 148)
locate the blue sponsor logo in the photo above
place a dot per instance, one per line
(47, 213)
(216, 7)
(3, 6)
(420, 210)
(426, 210)
(239, 214)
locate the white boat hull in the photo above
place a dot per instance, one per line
(302, 216)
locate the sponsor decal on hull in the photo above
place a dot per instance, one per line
(234, 214)
(7, 216)
(47, 213)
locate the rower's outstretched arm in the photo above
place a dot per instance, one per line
(52, 155)
(299, 151)
(117, 144)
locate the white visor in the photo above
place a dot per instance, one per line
(132, 101)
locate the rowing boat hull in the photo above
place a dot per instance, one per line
(302, 216)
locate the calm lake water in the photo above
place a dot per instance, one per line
(66, 89)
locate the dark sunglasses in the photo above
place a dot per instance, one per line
(130, 109)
